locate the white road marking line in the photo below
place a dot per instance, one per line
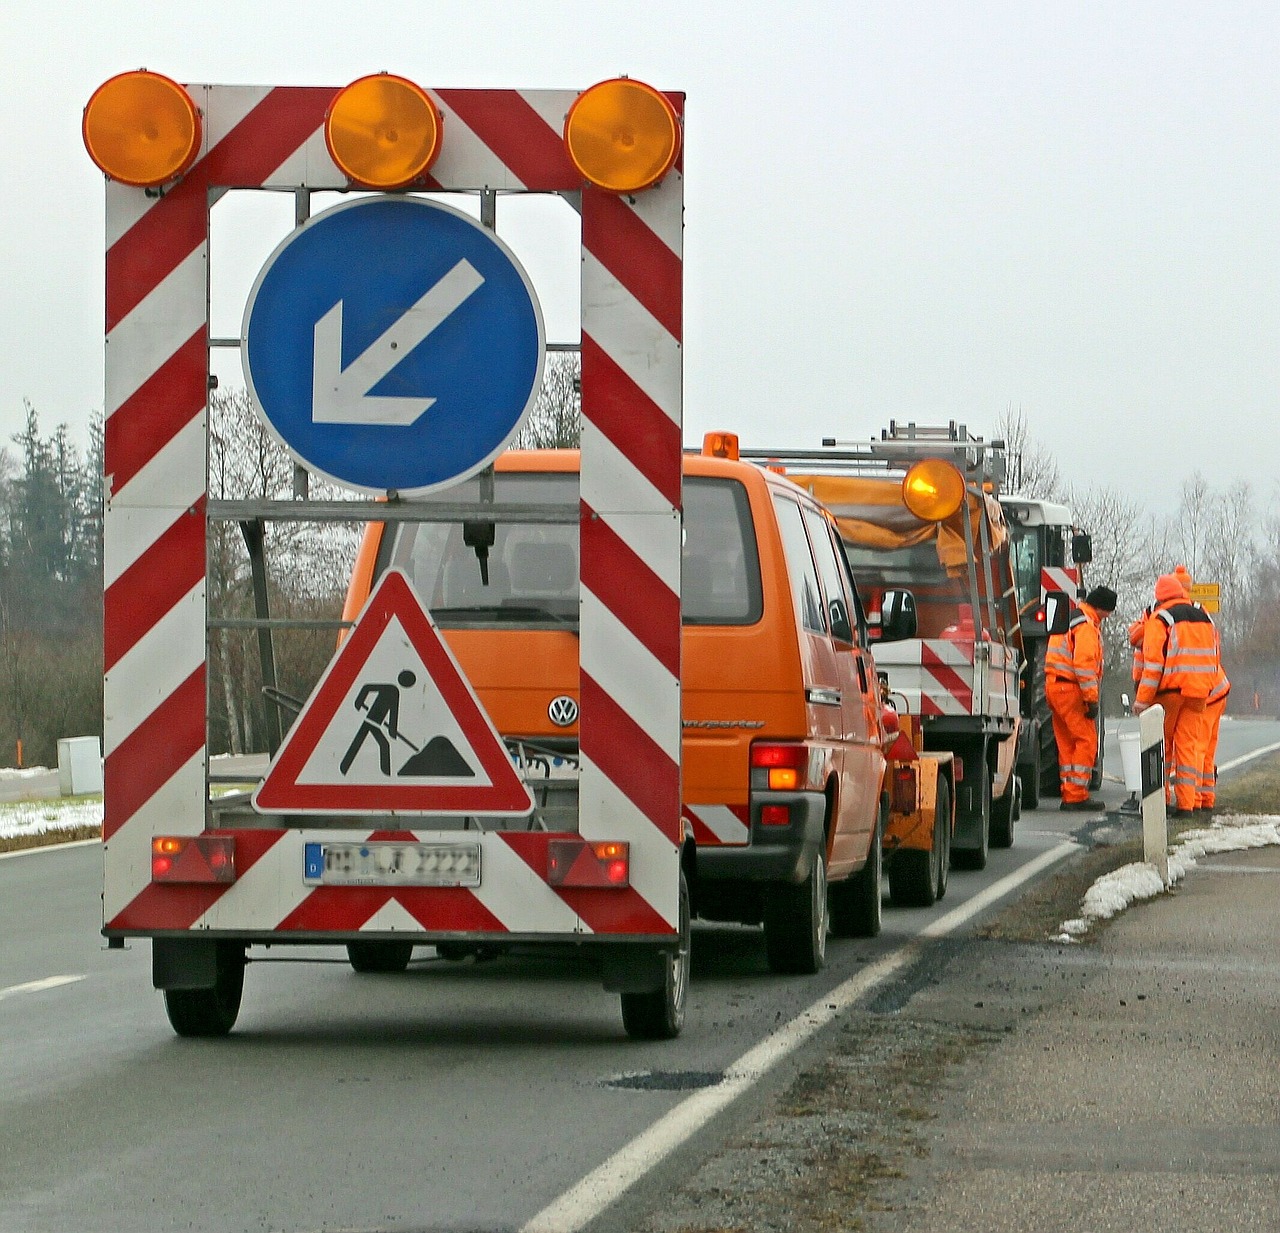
(1249, 757)
(605, 1184)
(36, 986)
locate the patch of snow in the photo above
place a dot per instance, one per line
(47, 817)
(22, 772)
(1115, 891)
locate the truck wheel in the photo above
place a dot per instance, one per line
(855, 904)
(210, 1012)
(976, 857)
(915, 876)
(659, 1014)
(942, 832)
(1003, 813)
(796, 921)
(379, 956)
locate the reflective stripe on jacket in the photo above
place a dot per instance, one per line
(1179, 653)
(1076, 656)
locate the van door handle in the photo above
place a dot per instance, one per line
(822, 697)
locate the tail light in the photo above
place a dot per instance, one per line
(193, 858)
(780, 768)
(579, 862)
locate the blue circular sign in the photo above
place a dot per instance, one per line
(393, 344)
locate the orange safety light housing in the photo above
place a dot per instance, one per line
(622, 135)
(720, 445)
(383, 131)
(142, 128)
(933, 489)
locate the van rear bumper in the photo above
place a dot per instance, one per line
(773, 853)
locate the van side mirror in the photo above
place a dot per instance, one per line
(897, 616)
(1081, 547)
(1057, 612)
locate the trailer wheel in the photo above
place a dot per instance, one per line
(942, 827)
(659, 1014)
(915, 876)
(796, 920)
(210, 1012)
(855, 904)
(1003, 813)
(379, 956)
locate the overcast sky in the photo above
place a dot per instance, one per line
(915, 210)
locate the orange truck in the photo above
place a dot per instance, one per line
(917, 511)
(792, 773)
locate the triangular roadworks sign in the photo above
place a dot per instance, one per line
(393, 727)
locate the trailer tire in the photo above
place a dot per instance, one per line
(918, 879)
(855, 904)
(379, 956)
(976, 858)
(210, 1012)
(1003, 813)
(796, 920)
(659, 1013)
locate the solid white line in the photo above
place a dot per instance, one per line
(1249, 757)
(35, 986)
(605, 1184)
(48, 847)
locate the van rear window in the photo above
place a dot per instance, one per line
(533, 567)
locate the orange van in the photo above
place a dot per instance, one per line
(783, 751)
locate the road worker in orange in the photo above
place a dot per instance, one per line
(1073, 675)
(1180, 664)
(1215, 705)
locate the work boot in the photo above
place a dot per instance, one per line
(1091, 804)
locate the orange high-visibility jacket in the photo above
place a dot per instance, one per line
(1076, 656)
(1136, 629)
(1179, 653)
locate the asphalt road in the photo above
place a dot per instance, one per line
(455, 1097)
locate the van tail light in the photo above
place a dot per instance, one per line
(579, 862)
(193, 858)
(904, 796)
(780, 768)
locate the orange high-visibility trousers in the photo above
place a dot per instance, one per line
(1184, 740)
(1207, 789)
(1077, 737)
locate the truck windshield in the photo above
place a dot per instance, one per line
(533, 567)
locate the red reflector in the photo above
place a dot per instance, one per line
(902, 750)
(794, 756)
(576, 862)
(193, 858)
(957, 764)
(775, 815)
(904, 789)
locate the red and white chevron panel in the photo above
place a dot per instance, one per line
(156, 459)
(943, 676)
(719, 825)
(1059, 578)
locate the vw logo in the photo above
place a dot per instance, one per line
(563, 711)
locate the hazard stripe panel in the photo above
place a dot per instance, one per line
(719, 825)
(156, 460)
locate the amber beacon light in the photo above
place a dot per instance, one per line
(142, 129)
(622, 135)
(933, 489)
(383, 132)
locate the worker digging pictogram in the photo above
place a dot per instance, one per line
(379, 704)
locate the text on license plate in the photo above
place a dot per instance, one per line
(391, 863)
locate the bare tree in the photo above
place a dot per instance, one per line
(556, 418)
(1033, 471)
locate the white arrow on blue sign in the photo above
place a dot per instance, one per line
(393, 343)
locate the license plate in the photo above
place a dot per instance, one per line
(391, 863)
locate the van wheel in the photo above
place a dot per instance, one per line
(210, 1012)
(796, 921)
(855, 904)
(379, 956)
(659, 1014)
(1003, 813)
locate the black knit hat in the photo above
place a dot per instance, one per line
(1101, 598)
